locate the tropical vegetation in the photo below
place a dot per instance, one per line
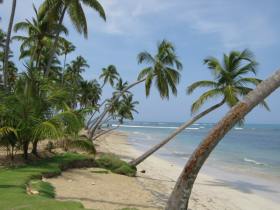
(45, 101)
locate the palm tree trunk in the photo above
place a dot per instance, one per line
(100, 118)
(25, 150)
(90, 119)
(7, 46)
(104, 132)
(179, 198)
(175, 133)
(34, 147)
(52, 50)
(63, 71)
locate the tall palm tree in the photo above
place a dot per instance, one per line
(228, 84)
(57, 10)
(179, 199)
(109, 74)
(164, 69)
(40, 31)
(8, 39)
(66, 48)
(73, 78)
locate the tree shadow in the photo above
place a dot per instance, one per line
(135, 205)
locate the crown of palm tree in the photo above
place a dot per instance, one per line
(164, 69)
(127, 107)
(39, 31)
(66, 47)
(109, 74)
(229, 81)
(90, 93)
(56, 8)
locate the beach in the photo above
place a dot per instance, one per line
(149, 190)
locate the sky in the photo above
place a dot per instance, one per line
(198, 29)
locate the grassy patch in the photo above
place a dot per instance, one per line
(13, 182)
(116, 165)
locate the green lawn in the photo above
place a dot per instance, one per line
(13, 183)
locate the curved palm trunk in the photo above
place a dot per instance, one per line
(7, 46)
(52, 50)
(104, 132)
(175, 133)
(100, 118)
(90, 119)
(179, 198)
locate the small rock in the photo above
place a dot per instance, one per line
(143, 171)
(70, 180)
(92, 183)
(34, 192)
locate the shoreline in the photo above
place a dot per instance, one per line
(155, 185)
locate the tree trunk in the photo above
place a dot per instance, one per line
(25, 150)
(100, 118)
(175, 133)
(104, 132)
(90, 119)
(7, 46)
(35, 148)
(52, 50)
(179, 198)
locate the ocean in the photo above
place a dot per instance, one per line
(247, 159)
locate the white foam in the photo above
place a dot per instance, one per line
(237, 128)
(253, 161)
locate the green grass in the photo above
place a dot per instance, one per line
(13, 182)
(116, 165)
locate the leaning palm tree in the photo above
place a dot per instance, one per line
(180, 196)
(228, 84)
(8, 39)
(57, 10)
(122, 110)
(109, 74)
(164, 70)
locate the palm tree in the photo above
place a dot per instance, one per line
(40, 31)
(8, 39)
(57, 10)
(109, 74)
(73, 79)
(228, 83)
(123, 110)
(163, 70)
(90, 93)
(66, 48)
(180, 196)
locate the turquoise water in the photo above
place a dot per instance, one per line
(247, 156)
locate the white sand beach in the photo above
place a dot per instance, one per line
(149, 190)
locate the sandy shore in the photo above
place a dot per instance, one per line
(150, 190)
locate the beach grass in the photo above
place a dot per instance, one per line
(116, 165)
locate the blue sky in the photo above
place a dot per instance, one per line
(198, 28)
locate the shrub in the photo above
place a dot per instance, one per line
(116, 165)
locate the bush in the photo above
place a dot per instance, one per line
(116, 165)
